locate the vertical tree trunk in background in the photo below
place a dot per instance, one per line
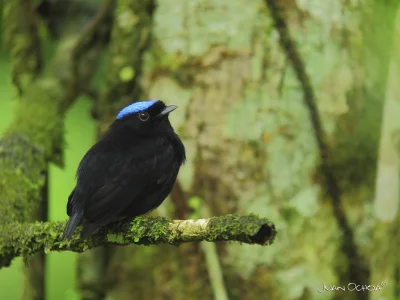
(44, 100)
(35, 279)
(250, 142)
(384, 263)
(23, 42)
(129, 37)
(91, 270)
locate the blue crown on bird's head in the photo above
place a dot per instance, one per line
(136, 107)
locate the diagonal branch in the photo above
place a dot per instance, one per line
(22, 39)
(86, 49)
(36, 136)
(356, 268)
(24, 239)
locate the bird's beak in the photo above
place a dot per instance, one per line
(166, 111)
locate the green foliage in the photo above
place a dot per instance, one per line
(71, 294)
(126, 73)
(194, 204)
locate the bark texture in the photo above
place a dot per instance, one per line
(252, 139)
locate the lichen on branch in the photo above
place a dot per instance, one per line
(25, 239)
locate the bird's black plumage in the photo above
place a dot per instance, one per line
(128, 172)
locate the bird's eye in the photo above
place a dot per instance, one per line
(144, 116)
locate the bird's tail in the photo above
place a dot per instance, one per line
(73, 222)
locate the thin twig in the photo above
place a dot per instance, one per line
(213, 264)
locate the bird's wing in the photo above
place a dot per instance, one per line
(130, 179)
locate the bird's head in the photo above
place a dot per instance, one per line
(146, 117)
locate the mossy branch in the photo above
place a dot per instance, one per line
(25, 239)
(35, 136)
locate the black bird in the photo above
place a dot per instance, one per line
(129, 172)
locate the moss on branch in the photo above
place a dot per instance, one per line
(25, 239)
(35, 136)
(33, 139)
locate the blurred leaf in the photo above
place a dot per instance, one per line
(306, 201)
(195, 205)
(127, 73)
(71, 294)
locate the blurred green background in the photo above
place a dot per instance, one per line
(251, 144)
(80, 135)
